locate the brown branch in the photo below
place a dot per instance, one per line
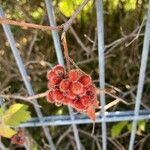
(65, 26)
(26, 99)
(29, 25)
(70, 21)
(29, 98)
(66, 53)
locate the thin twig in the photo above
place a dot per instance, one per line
(78, 40)
(26, 99)
(65, 26)
(66, 53)
(34, 38)
(29, 25)
(137, 35)
(62, 137)
(29, 98)
(70, 21)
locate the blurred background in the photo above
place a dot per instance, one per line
(124, 23)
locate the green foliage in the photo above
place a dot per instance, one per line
(67, 7)
(16, 114)
(117, 128)
(6, 131)
(141, 125)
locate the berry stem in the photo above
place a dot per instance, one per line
(66, 53)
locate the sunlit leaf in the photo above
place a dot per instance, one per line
(6, 131)
(141, 125)
(16, 114)
(117, 128)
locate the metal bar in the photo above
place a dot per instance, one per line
(82, 119)
(100, 29)
(52, 21)
(24, 75)
(145, 51)
(56, 40)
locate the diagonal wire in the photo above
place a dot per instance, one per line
(60, 59)
(146, 47)
(24, 75)
(100, 27)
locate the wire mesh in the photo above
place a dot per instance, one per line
(144, 59)
(74, 120)
(24, 75)
(60, 59)
(101, 60)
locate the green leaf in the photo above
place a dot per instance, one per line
(129, 126)
(6, 131)
(117, 128)
(16, 114)
(141, 125)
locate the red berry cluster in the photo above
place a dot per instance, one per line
(72, 88)
(18, 138)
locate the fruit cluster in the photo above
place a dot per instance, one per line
(19, 137)
(72, 88)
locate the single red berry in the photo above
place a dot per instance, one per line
(57, 95)
(83, 92)
(59, 70)
(79, 106)
(66, 100)
(85, 100)
(49, 97)
(18, 138)
(64, 85)
(51, 74)
(91, 91)
(73, 75)
(77, 88)
(85, 80)
(55, 81)
(70, 94)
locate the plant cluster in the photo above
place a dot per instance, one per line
(72, 88)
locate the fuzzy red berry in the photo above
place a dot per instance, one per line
(91, 91)
(64, 85)
(85, 80)
(57, 95)
(59, 70)
(79, 106)
(83, 92)
(18, 138)
(73, 75)
(85, 100)
(50, 97)
(51, 74)
(77, 88)
(55, 81)
(67, 101)
(70, 94)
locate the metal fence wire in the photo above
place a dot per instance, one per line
(74, 120)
